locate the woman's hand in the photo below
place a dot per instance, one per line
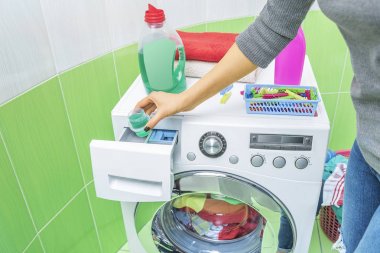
(232, 67)
(165, 104)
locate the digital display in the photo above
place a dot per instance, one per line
(272, 139)
(280, 142)
(292, 140)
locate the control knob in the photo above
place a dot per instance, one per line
(212, 144)
(301, 163)
(279, 162)
(257, 160)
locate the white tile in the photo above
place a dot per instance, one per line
(181, 13)
(125, 20)
(227, 9)
(25, 55)
(77, 29)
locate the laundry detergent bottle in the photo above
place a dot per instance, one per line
(158, 46)
(289, 63)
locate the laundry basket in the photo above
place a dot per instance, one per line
(329, 223)
(327, 218)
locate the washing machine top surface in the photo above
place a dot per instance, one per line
(213, 110)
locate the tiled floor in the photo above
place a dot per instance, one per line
(319, 242)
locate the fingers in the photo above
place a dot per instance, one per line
(145, 102)
(151, 109)
(154, 121)
(146, 108)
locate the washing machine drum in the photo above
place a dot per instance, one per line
(214, 213)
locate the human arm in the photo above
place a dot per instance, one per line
(233, 66)
(257, 46)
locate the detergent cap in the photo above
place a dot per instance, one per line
(154, 15)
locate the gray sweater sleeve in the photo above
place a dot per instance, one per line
(275, 27)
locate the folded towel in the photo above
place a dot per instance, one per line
(207, 46)
(200, 68)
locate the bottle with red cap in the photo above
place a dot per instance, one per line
(157, 50)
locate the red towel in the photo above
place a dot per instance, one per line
(207, 46)
(232, 231)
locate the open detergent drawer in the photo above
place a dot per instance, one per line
(133, 168)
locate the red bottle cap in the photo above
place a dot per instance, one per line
(154, 15)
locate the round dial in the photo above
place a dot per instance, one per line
(257, 160)
(212, 144)
(301, 163)
(279, 162)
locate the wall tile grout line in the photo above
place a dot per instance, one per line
(21, 189)
(64, 206)
(335, 93)
(30, 243)
(59, 211)
(116, 73)
(339, 94)
(80, 164)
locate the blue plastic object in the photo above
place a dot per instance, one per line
(227, 89)
(279, 106)
(329, 155)
(159, 136)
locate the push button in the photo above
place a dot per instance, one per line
(301, 163)
(234, 159)
(279, 162)
(257, 160)
(191, 156)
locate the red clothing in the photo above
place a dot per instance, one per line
(207, 46)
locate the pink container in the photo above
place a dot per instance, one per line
(289, 63)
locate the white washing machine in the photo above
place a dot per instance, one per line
(214, 179)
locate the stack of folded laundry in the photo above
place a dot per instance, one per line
(204, 50)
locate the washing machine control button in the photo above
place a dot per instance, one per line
(234, 159)
(212, 144)
(257, 160)
(301, 163)
(279, 162)
(191, 156)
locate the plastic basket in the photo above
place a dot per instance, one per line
(280, 106)
(327, 218)
(329, 223)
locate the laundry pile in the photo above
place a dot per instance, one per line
(204, 49)
(334, 176)
(215, 218)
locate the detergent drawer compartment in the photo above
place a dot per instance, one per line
(133, 168)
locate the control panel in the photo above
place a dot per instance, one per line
(280, 142)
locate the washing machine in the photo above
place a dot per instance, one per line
(215, 179)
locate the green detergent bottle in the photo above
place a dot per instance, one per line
(157, 50)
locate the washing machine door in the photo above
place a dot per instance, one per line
(214, 212)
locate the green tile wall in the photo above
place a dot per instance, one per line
(109, 221)
(90, 92)
(72, 230)
(46, 133)
(16, 227)
(331, 64)
(35, 247)
(37, 134)
(127, 66)
(326, 49)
